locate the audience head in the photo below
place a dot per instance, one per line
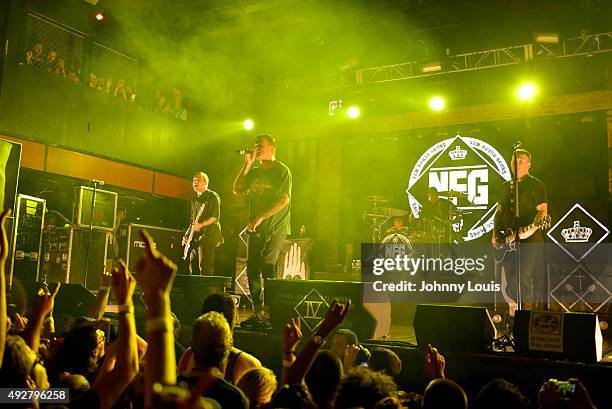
(21, 367)
(342, 338)
(294, 396)
(363, 388)
(386, 361)
(323, 377)
(258, 384)
(81, 351)
(500, 394)
(176, 325)
(444, 394)
(211, 340)
(76, 384)
(223, 303)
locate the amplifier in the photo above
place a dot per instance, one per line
(168, 241)
(66, 254)
(105, 209)
(27, 241)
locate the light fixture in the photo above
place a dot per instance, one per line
(248, 124)
(437, 103)
(432, 67)
(546, 37)
(353, 112)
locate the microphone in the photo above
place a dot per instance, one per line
(243, 151)
(517, 144)
(97, 182)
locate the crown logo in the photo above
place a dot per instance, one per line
(577, 233)
(458, 153)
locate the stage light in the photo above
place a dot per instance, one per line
(354, 112)
(527, 91)
(546, 37)
(99, 16)
(431, 67)
(437, 103)
(248, 124)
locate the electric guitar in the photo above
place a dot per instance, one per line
(189, 233)
(507, 237)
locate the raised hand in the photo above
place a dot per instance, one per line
(4, 247)
(44, 300)
(155, 271)
(434, 363)
(292, 334)
(335, 315)
(350, 356)
(122, 283)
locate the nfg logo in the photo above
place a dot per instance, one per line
(468, 167)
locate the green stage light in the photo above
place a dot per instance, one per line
(248, 124)
(527, 91)
(437, 103)
(353, 112)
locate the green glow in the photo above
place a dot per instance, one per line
(248, 124)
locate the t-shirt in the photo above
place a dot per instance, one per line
(266, 187)
(531, 194)
(222, 391)
(212, 208)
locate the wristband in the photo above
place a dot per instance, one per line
(127, 308)
(161, 324)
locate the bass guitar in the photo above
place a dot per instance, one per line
(189, 233)
(507, 238)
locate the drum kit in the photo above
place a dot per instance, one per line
(432, 229)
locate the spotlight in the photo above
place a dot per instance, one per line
(99, 16)
(248, 124)
(527, 91)
(353, 112)
(431, 67)
(437, 103)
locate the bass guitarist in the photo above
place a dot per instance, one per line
(533, 215)
(204, 233)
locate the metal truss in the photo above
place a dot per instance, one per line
(587, 44)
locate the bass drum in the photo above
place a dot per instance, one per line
(400, 240)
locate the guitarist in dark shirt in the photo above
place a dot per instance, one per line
(204, 229)
(533, 214)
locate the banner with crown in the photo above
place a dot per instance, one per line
(578, 233)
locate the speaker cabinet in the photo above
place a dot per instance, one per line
(572, 336)
(454, 328)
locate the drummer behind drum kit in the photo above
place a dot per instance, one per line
(422, 230)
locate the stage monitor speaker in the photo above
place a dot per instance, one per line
(572, 336)
(454, 328)
(72, 300)
(168, 241)
(310, 300)
(105, 209)
(187, 295)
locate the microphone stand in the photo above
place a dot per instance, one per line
(516, 212)
(91, 214)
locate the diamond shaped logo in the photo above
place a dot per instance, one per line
(580, 291)
(578, 233)
(311, 309)
(463, 170)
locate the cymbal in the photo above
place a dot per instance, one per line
(376, 198)
(390, 211)
(453, 193)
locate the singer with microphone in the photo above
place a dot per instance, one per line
(203, 235)
(267, 185)
(524, 272)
